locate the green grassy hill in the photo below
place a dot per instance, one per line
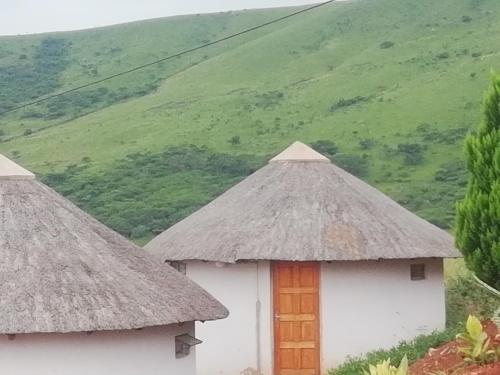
(388, 87)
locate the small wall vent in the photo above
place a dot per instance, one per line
(417, 271)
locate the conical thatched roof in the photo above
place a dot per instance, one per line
(63, 271)
(302, 207)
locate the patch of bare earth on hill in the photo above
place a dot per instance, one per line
(446, 358)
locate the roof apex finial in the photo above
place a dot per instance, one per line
(299, 151)
(12, 171)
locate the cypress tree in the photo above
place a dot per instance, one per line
(478, 214)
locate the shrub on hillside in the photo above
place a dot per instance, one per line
(38, 77)
(366, 143)
(31, 114)
(453, 172)
(139, 231)
(443, 55)
(353, 164)
(446, 136)
(386, 44)
(146, 193)
(413, 153)
(434, 199)
(269, 99)
(325, 147)
(342, 103)
(235, 140)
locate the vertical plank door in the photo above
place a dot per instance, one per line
(296, 318)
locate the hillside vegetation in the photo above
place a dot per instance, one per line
(387, 88)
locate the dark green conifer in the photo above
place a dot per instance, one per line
(478, 214)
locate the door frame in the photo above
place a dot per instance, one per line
(275, 320)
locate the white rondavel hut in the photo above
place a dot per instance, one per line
(314, 266)
(76, 298)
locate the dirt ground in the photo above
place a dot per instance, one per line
(447, 360)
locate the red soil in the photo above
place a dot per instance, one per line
(446, 358)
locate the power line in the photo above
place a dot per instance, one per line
(217, 41)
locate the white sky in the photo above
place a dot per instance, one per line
(36, 16)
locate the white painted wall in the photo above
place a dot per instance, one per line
(230, 345)
(374, 305)
(148, 351)
(364, 306)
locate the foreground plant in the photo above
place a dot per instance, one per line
(385, 368)
(475, 343)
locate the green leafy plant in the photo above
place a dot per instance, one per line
(385, 368)
(475, 343)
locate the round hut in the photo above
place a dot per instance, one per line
(77, 298)
(314, 264)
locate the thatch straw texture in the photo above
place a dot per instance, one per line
(63, 271)
(301, 208)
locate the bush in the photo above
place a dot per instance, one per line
(353, 164)
(413, 153)
(412, 349)
(325, 147)
(139, 231)
(38, 77)
(31, 114)
(235, 140)
(453, 172)
(145, 193)
(465, 297)
(434, 199)
(269, 99)
(342, 103)
(447, 136)
(366, 143)
(386, 44)
(443, 55)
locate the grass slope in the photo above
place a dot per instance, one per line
(395, 84)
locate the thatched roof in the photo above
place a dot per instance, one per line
(302, 207)
(63, 271)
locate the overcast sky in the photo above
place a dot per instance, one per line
(36, 16)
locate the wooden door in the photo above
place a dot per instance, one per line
(296, 318)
